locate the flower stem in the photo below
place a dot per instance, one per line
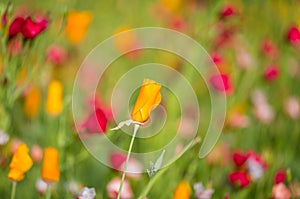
(13, 190)
(48, 191)
(136, 127)
(163, 170)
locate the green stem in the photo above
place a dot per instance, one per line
(48, 191)
(136, 127)
(162, 171)
(13, 190)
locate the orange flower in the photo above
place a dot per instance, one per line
(20, 163)
(77, 25)
(171, 5)
(50, 170)
(148, 98)
(32, 102)
(54, 98)
(182, 191)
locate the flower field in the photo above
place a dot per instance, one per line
(150, 99)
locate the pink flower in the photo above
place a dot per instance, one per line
(292, 107)
(293, 35)
(36, 153)
(14, 46)
(238, 120)
(271, 73)
(220, 155)
(96, 122)
(56, 55)
(269, 48)
(280, 191)
(244, 59)
(30, 29)
(201, 192)
(222, 83)
(15, 27)
(178, 23)
(134, 167)
(239, 178)
(264, 113)
(113, 186)
(280, 177)
(41, 186)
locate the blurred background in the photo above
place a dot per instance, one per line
(254, 44)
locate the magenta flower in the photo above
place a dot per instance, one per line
(293, 35)
(271, 73)
(222, 83)
(227, 11)
(280, 177)
(30, 29)
(15, 27)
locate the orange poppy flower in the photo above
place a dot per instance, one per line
(32, 102)
(149, 97)
(20, 163)
(50, 169)
(77, 25)
(182, 191)
(54, 98)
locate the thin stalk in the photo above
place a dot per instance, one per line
(48, 191)
(136, 127)
(162, 171)
(13, 190)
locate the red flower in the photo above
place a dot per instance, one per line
(227, 11)
(271, 73)
(239, 158)
(280, 177)
(30, 29)
(293, 35)
(239, 178)
(15, 27)
(221, 83)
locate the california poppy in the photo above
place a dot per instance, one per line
(50, 168)
(149, 97)
(20, 163)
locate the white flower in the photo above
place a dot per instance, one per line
(41, 186)
(3, 138)
(201, 192)
(87, 193)
(255, 169)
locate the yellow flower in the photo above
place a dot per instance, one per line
(54, 98)
(32, 102)
(50, 169)
(20, 163)
(149, 97)
(182, 191)
(77, 25)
